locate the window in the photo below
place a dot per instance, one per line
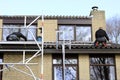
(71, 67)
(77, 33)
(7, 29)
(68, 32)
(102, 67)
(83, 33)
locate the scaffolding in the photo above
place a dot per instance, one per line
(38, 52)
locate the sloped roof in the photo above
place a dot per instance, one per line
(46, 17)
(53, 47)
(62, 19)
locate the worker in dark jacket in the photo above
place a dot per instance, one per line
(101, 37)
(16, 36)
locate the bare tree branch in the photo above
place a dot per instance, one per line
(113, 29)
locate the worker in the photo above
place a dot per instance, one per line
(16, 36)
(101, 37)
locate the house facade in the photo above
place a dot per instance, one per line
(68, 50)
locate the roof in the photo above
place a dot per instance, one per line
(19, 19)
(53, 47)
(46, 17)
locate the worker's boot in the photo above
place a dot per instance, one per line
(96, 44)
(104, 44)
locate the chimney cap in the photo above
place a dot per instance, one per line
(95, 7)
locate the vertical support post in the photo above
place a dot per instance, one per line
(57, 39)
(63, 53)
(70, 44)
(41, 76)
(23, 57)
(25, 18)
(25, 21)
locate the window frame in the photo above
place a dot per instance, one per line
(103, 56)
(20, 30)
(68, 56)
(74, 29)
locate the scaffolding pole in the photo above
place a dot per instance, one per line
(63, 53)
(41, 75)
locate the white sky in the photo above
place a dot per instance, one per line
(58, 7)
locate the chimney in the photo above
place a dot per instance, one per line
(94, 8)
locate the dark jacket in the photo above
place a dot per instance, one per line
(18, 36)
(101, 33)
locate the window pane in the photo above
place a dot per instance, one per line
(28, 33)
(83, 33)
(57, 61)
(57, 73)
(68, 32)
(7, 30)
(1, 57)
(102, 73)
(70, 61)
(67, 61)
(23, 30)
(1, 60)
(101, 60)
(70, 73)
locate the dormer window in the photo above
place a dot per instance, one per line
(75, 32)
(8, 29)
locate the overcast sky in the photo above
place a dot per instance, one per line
(58, 7)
